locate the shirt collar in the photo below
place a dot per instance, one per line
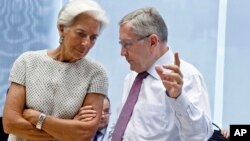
(103, 130)
(166, 58)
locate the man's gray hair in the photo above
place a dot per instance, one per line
(146, 21)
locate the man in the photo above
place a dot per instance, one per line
(173, 104)
(102, 133)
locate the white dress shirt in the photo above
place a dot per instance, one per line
(157, 117)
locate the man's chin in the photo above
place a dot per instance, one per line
(101, 127)
(131, 68)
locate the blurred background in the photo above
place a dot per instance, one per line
(213, 35)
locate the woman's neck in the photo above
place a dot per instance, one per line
(59, 54)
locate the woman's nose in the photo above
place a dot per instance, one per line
(124, 51)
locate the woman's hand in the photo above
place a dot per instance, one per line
(31, 115)
(85, 113)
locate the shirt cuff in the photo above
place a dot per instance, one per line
(180, 105)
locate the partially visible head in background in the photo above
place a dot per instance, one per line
(105, 114)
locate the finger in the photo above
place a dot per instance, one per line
(86, 116)
(86, 119)
(165, 74)
(228, 134)
(170, 84)
(159, 70)
(174, 77)
(176, 59)
(173, 68)
(83, 112)
(173, 88)
(86, 107)
(225, 133)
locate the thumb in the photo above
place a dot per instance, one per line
(159, 70)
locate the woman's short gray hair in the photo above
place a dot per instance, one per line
(75, 7)
(146, 21)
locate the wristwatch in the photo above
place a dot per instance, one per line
(40, 121)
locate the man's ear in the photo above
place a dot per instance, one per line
(154, 40)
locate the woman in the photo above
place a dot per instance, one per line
(48, 88)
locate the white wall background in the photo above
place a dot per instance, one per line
(211, 34)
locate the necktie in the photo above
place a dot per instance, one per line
(98, 133)
(128, 107)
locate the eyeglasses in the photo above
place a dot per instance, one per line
(106, 112)
(126, 44)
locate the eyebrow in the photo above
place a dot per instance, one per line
(82, 30)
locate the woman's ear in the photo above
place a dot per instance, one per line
(61, 29)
